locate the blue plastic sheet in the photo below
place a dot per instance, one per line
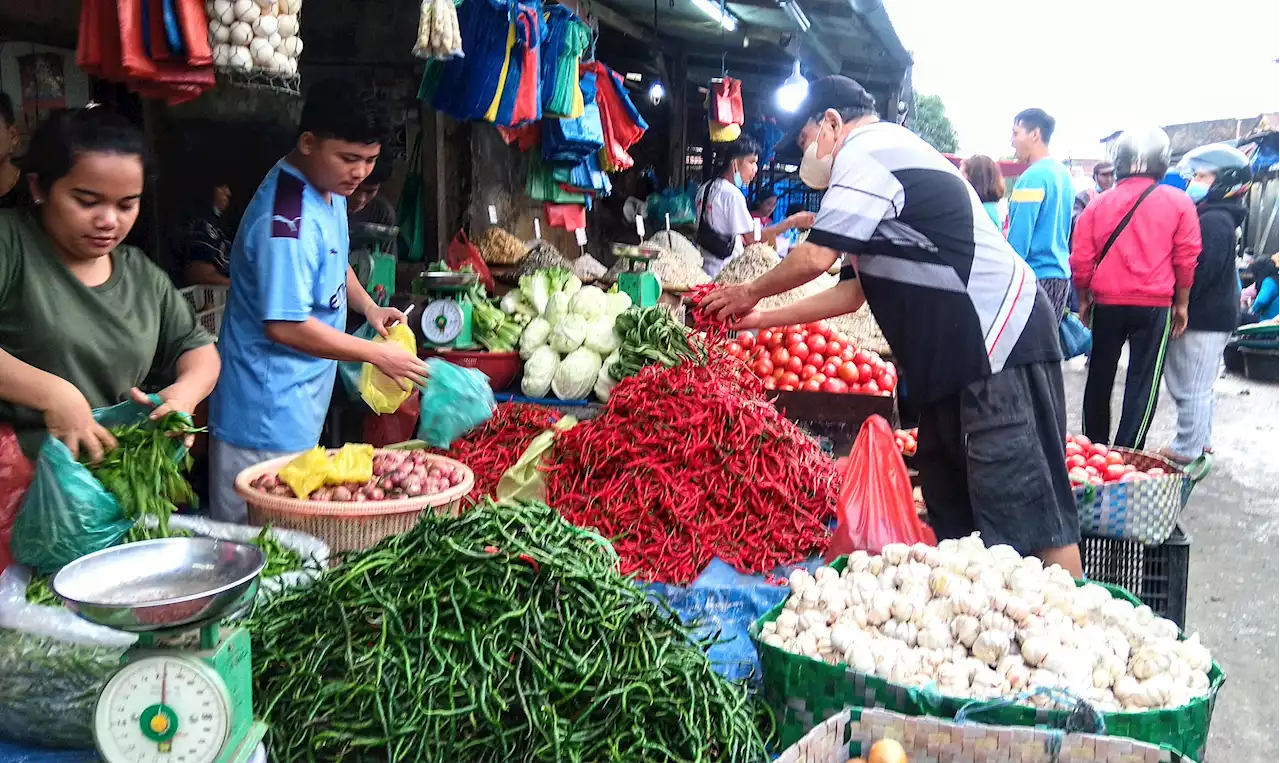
(12, 753)
(726, 602)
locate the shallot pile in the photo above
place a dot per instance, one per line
(396, 475)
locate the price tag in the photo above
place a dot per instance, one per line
(668, 216)
(640, 226)
(581, 236)
(756, 221)
(537, 229)
(493, 215)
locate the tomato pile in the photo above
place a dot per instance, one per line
(906, 439)
(814, 358)
(1094, 462)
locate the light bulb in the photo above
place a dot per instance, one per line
(656, 93)
(793, 90)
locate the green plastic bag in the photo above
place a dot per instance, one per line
(409, 214)
(67, 513)
(454, 401)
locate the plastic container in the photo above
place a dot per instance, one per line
(346, 526)
(1157, 575)
(502, 368)
(1261, 365)
(208, 303)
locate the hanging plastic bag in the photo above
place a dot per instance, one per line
(67, 513)
(463, 252)
(352, 463)
(15, 477)
(409, 215)
(455, 401)
(382, 393)
(875, 506)
(308, 472)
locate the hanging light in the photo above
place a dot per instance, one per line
(656, 93)
(793, 90)
(717, 13)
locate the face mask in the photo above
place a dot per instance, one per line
(737, 178)
(1198, 191)
(815, 172)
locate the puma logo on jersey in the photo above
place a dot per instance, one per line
(293, 224)
(286, 208)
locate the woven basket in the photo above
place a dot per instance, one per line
(851, 733)
(346, 526)
(1145, 511)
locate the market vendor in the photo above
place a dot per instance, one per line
(282, 334)
(725, 224)
(976, 339)
(84, 320)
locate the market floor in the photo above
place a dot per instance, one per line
(1232, 519)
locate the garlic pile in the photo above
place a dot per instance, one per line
(985, 623)
(261, 35)
(439, 36)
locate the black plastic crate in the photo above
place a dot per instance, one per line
(1155, 574)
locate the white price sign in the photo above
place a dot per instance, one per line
(581, 235)
(493, 215)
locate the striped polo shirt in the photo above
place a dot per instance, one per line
(954, 301)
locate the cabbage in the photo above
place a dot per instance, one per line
(616, 303)
(539, 370)
(589, 302)
(601, 337)
(576, 375)
(535, 335)
(536, 290)
(569, 334)
(557, 307)
(604, 380)
(571, 285)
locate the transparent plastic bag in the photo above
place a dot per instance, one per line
(382, 393)
(67, 513)
(454, 401)
(875, 505)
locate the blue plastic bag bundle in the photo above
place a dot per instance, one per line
(454, 401)
(67, 512)
(573, 140)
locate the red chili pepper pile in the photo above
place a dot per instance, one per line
(718, 329)
(689, 463)
(492, 449)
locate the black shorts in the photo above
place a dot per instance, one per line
(991, 459)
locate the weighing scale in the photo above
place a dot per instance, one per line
(637, 281)
(446, 318)
(176, 697)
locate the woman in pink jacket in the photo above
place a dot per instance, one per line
(1133, 260)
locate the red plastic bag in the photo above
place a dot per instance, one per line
(392, 428)
(875, 506)
(15, 477)
(726, 103)
(567, 216)
(463, 252)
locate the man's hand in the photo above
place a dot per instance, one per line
(801, 220)
(728, 302)
(1179, 321)
(1086, 308)
(69, 418)
(752, 320)
(397, 363)
(383, 318)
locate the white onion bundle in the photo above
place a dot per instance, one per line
(439, 35)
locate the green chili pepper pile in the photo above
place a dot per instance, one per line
(280, 559)
(144, 475)
(502, 634)
(652, 335)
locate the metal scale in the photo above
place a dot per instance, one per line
(446, 317)
(637, 281)
(175, 697)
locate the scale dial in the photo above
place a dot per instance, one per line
(166, 709)
(441, 321)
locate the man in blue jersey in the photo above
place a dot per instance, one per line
(283, 331)
(1040, 208)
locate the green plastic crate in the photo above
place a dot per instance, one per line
(804, 692)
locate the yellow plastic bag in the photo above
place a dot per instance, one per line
(523, 481)
(307, 472)
(379, 391)
(353, 463)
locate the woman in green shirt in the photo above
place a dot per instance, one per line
(85, 321)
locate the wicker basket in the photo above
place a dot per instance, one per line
(1145, 511)
(346, 526)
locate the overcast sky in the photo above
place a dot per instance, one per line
(1096, 65)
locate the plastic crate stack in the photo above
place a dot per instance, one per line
(1155, 574)
(207, 303)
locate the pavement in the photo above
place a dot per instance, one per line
(1232, 518)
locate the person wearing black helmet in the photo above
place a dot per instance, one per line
(976, 338)
(1218, 177)
(1133, 261)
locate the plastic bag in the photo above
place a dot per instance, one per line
(308, 472)
(462, 252)
(382, 393)
(15, 477)
(523, 481)
(352, 463)
(455, 401)
(392, 428)
(875, 506)
(67, 513)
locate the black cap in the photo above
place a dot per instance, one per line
(833, 92)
